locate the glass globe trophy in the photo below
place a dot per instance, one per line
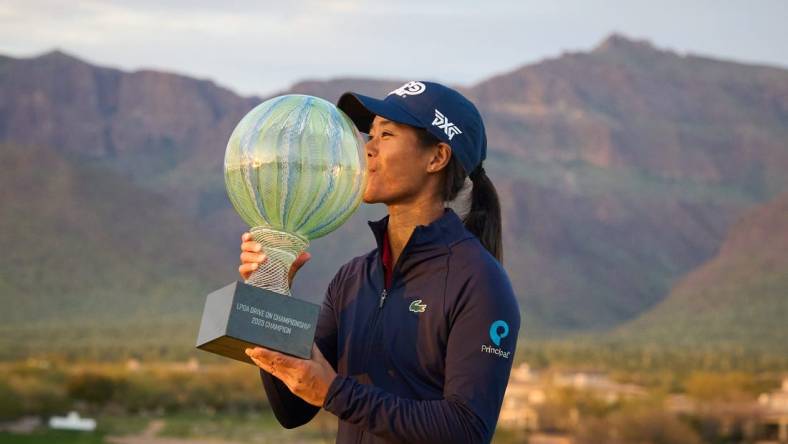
(295, 170)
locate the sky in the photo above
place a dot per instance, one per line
(262, 47)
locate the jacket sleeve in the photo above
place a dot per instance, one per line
(477, 372)
(290, 410)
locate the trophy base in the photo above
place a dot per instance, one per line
(241, 315)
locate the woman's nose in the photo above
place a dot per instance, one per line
(370, 148)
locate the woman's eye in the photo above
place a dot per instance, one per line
(382, 134)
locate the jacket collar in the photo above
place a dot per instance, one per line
(440, 233)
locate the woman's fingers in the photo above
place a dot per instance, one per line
(270, 360)
(246, 270)
(263, 365)
(247, 257)
(252, 255)
(301, 260)
(248, 267)
(251, 246)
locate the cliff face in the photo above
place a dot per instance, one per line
(619, 169)
(629, 105)
(58, 101)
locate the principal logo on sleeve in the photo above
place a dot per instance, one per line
(498, 330)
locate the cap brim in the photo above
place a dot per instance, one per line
(362, 109)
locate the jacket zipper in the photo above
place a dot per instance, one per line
(373, 325)
(373, 329)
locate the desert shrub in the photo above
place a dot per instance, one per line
(94, 388)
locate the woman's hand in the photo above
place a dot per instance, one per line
(252, 255)
(308, 379)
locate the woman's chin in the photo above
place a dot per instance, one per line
(369, 199)
(370, 196)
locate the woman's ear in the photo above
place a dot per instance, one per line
(441, 155)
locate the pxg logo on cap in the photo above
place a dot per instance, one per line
(498, 330)
(449, 128)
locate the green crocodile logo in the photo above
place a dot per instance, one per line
(417, 307)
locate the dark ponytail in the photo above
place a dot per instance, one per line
(484, 217)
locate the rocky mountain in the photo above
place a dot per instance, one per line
(740, 296)
(620, 169)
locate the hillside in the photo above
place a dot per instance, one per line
(738, 297)
(619, 169)
(84, 250)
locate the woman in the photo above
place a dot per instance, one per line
(415, 339)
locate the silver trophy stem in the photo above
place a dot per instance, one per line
(282, 249)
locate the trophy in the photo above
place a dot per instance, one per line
(295, 170)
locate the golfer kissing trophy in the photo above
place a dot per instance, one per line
(295, 170)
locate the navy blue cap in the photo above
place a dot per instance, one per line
(442, 111)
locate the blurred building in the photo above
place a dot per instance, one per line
(539, 438)
(599, 384)
(523, 393)
(528, 391)
(774, 411)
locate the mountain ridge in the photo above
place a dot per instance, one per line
(617, 173)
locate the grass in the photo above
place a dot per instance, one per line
(52, 436)
(260, 427)
(252, 427)
(121, 424)
(257, 427)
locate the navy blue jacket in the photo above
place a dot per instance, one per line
(425, 361)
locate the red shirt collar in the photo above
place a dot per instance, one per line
(387, 262)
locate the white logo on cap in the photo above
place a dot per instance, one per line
(443, 123)
(411, 88)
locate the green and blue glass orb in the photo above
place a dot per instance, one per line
(294, 169)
